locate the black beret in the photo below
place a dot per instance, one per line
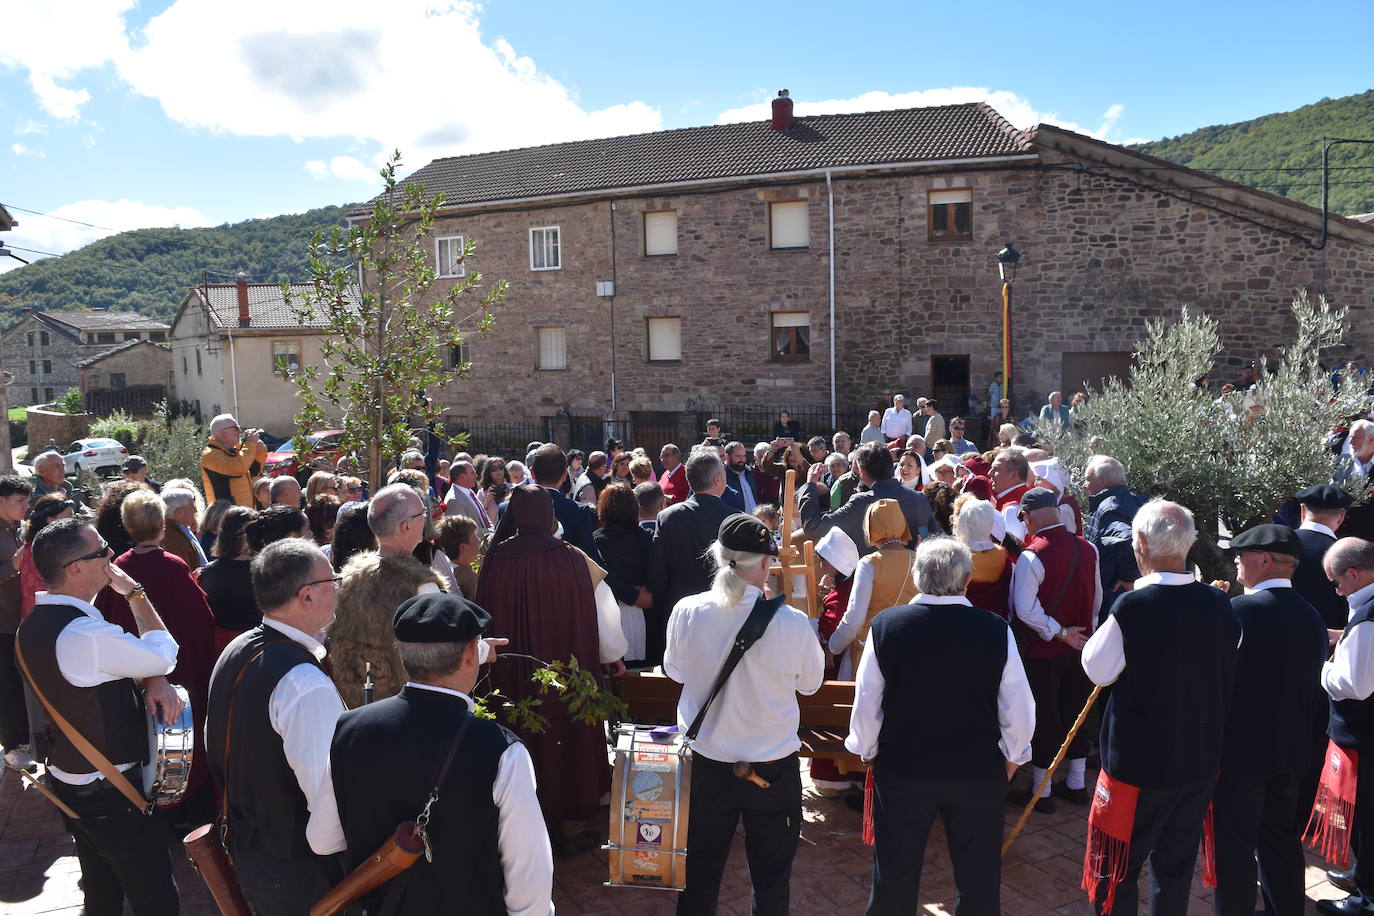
(743, 532)
(1274, 538)
(438, 617)
(1325, 496)
(1039, 498)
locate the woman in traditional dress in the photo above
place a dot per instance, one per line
(990, 587)
(880, 580)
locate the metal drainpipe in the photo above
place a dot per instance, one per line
(830, 195)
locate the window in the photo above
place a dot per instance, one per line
(665, 340)
(199, 370)
(43, 338)
(660, 232)
(951, 215)
(458, 355)
(288, 350)
(544, 249)
(789, 224)
(552, 346)
(157, 335)
(117, 381)
(185, 369)
(448, 256)
(47, 367)
(33, 367)
(105, 337)
(31, 341)
(33, 395)
(791, 335)
(47, 394)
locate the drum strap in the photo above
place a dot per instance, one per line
(753, 628)
(88, 750)
(228, 736)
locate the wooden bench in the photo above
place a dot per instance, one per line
(824, 724)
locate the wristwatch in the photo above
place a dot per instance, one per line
(138, 592)
(1063, 631)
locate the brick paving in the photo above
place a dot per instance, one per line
(39, 872)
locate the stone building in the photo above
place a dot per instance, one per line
(133, 376)
(659, 276)
(42, 349)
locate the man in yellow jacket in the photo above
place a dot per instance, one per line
(228, 466)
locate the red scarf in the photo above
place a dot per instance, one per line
(1109, 837)
(1334, 809)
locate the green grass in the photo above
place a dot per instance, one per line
(17, 413)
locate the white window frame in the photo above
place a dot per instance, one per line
(662, 217)
(804, 206)
(439, 266)
(296, 344)
(539, 347)
(557, 247)
(676, 357)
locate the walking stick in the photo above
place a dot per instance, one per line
(1054, 765)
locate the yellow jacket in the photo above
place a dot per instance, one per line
(229, 473)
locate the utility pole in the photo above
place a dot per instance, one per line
(6, 453)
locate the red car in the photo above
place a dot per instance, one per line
(285, 459)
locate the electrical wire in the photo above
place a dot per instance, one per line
(77, 222)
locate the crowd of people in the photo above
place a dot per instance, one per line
(331, 642)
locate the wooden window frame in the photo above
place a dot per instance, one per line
(773, 328)
(951, 217)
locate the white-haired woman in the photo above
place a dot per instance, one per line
(990, 587)
(753, 720)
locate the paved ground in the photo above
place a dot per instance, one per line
(38, 869)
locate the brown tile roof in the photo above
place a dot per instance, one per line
(266, 306)
(117, 348)
(725, 151)
(99, 320)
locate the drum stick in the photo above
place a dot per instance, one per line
(1054, 765)
(28, 777)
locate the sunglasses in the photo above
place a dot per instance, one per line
(104, 551)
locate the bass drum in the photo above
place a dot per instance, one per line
(170, 747)
(651, 791)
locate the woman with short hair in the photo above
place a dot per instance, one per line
(227, 579)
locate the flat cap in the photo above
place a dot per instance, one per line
(438, 617)
(134, 463)
(1039, 498)
(1325, 496)
(1274, 538)
(743, 532)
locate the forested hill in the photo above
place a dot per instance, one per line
(149, 270)
(1282, 152)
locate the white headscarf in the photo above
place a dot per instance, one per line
(839, 551)
(975, 524)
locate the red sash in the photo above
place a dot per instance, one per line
(1109, 837)
(869, 838)
(1333, 813)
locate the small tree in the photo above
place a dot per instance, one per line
(384, 343)
(1224, 461)
(71, 401)
(172, 444)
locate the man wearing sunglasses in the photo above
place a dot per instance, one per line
(89, 670)
(230, 460)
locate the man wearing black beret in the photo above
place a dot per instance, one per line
(1267, 742)
(490, 847)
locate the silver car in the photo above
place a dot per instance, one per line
(99, 456)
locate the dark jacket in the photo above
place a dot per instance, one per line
(626, 553)
(849, 518)
(1309, 579)
(685, 531)
(1109, 530)
(579, 524)
(737, 481)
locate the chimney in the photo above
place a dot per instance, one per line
(241, 288)
(782, 111)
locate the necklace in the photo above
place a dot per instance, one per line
(892, 543)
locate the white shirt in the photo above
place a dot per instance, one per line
(521, 837)
(91, 651)
(1104, 656)
(1349, 675)
(896, 423)
(755, 718)
(1015, 705)
(1268, 584)
(1027, 575)
(609, 632)
(1316, 526)
(303, 709)
(860, 594)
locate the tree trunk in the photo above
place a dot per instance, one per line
(1210, 558)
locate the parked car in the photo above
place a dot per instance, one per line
(285, 459)
(99, 456)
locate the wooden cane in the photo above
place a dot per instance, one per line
(1054, 765)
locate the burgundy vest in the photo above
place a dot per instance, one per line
(1055, 549)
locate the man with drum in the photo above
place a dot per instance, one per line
(88, 670)
(751, 727)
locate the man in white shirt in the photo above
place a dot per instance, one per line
(896, 419)
(952, 758)
(88, 670)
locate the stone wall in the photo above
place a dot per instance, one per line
(61, 427)
(145, 364)
(41, 372)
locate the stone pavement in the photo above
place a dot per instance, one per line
(39, 872)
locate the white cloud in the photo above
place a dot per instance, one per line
(20, 149)
(55, 40)
(1015, 108)
(43, 233)
(345, 167)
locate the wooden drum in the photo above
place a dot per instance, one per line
(651, 790)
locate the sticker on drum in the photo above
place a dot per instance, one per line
(647, 786)
(652, 834)
(646, 866)
(657, 762)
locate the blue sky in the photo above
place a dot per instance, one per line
(198, 112)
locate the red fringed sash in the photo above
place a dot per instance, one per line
(1209, 849)
(1109, 837)
(869, 838)
(1328, 830)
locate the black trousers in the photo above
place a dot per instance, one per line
(1167, 831)
(14, 716)
(1253, 817)
(283, 886)
(772, 826)
(1362, 835)
(904, 810)
(1060, 688)
(123, 852)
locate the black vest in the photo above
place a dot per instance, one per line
(110, 716)
(1164, 722)
(1278, 674)
(267, 812)
(942, 665)
(1352, 721)
(385, 758)
(1310, 579)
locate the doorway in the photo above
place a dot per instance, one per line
(949, 384)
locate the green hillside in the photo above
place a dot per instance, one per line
(1282, 152)
(149, 270)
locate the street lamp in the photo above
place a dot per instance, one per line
(1007, 259)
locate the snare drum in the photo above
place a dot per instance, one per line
(651, 791)
(169, 750)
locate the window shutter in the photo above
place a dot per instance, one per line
(660, 232)
(665, 339)
(553, 351)
(790, 224)
(791, 319)
(961, 196)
